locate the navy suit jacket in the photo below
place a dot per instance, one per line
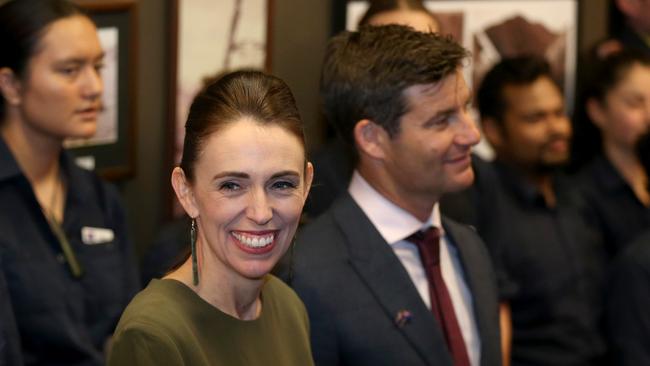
(354, 286)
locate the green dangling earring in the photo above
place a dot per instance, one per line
(195, 266)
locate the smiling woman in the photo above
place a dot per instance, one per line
(243, 181)
(64, 255)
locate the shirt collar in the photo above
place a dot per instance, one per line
(607, 175)
(393, 222)
(77, 184)
(8, 165)
(516, 183)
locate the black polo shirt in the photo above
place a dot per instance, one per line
(611, 205)
(10, 353)
(549, 268)
(63, 320)
(628, 301)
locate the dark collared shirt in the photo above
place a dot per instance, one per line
(63, 320)
(611, 205)
(10, 354)
(549, 265)
(628, 296)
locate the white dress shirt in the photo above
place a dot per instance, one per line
(395, 225)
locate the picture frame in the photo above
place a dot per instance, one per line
(209, 38)
(111, 151)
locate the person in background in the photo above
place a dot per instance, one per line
(613, 184)
(548, 260)
(628, 295)
(335, 160)
(243, 180)
(380, 271)
(64, 252)
(630, 26)
(412, 13)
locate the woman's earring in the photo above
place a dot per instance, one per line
(195, 267)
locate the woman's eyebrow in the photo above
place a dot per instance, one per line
(233, 174)
(285, 173)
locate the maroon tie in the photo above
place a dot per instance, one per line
(428, 244)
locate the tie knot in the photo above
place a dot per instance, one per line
(428, 243)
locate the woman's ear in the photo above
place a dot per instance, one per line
(309, 178)
(370, 138)
(9, 86)
(596, 112)
(184, 192)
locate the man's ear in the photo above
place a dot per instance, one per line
(595, 112)
(493, 131)
(370, 138)
(9, 86)
(184, 192)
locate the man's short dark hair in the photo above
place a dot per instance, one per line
(365, 73)
(517, 71)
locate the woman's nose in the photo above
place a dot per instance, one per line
(93, 85)
(259, 210)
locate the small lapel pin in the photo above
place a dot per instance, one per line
(402, 318)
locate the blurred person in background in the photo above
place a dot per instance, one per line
(628, 296)
(64, 253)
(548, 260)
(412, 13)
(630, 27)
(613, 182)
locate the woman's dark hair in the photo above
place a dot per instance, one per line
(381, 6)
(22, 25)
(604, 75)
(254, 94)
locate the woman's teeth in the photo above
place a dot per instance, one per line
(254, 241)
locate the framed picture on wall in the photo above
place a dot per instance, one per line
(494, 29)
(211, 38)
(111, 150)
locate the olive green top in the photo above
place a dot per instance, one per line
(169, 324)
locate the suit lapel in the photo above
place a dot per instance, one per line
(476, 276)
(382, 272)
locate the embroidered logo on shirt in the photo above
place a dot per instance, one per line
(96, 235)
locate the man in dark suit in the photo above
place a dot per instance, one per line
(375, 293)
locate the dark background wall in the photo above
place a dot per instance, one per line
(299, 32)
(143, 193)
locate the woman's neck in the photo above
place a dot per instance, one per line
(237, 297)
(627, 163)
(37, 153)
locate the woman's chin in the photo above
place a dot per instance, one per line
(257, 271)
